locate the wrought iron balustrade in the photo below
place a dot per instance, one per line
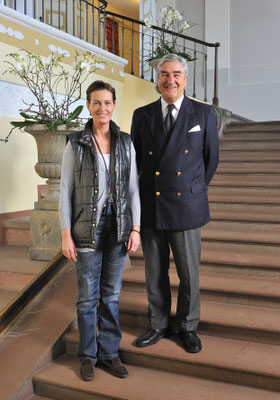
(127, 37)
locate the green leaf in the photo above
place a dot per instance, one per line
(22, 124)
(75, 113)
(60, 123)
(75, 124)
(25, 115)
(51, 126)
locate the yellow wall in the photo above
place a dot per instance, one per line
(136, 93)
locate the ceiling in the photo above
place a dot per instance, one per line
(126, 7)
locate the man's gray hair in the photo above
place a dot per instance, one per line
(173, 57)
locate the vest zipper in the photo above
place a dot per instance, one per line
(77, 217)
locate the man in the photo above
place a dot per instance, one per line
(176, 143)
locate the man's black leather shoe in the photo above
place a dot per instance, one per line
(191, 341)
(153, 336)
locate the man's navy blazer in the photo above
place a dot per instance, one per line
(174, 174)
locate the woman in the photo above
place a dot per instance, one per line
(100, 224)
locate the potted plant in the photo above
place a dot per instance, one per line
(49, 118)
(166, 42)
(45, 77)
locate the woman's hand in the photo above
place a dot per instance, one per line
(68, 245)
(134, 239)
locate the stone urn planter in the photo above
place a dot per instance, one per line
(44, 219)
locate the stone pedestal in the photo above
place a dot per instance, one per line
(44, 219)
(45, 234)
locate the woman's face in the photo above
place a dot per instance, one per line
(101, 106)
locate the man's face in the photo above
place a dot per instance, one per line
(171, 81)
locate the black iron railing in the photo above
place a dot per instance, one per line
(127, 37)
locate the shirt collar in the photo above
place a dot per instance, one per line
(177, 104)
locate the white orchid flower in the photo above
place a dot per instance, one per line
(177, 16)
(46, 60)
(148, 22)
(21, 66)
(22, 55)
(100, 66)
(80, 59)
(185, 26)
(85, 66)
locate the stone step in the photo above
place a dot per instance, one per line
(242, 248)
(14, 280)
(229, 289)
(243, 243)
(239, 264)
(246, 155)
(247, 180)
(253, 208)
(258, 228)
(265, 127)
(245, 216)
(6, 296)
(229, 263)
(248, 167)
(221, 359)
(16, 269)
(61, 380)
(247, 195)
(16, 231)
(245, 212)
(260, 145)
(35, 397)
(250, 136)
(258, 324)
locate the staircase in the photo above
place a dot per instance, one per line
(240, 297)
(16, 268)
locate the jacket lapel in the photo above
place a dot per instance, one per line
(186, 119)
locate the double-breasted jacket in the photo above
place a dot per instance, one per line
(174, 174)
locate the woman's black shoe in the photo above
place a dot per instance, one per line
(87, 370)
(116, 367)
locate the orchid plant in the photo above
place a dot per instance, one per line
(45, 77)
(171, 20)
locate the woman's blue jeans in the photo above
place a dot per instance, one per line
(99, 278)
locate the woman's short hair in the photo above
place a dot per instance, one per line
(100, 85)
(173, 57)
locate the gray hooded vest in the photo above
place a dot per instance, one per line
(85, 192)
